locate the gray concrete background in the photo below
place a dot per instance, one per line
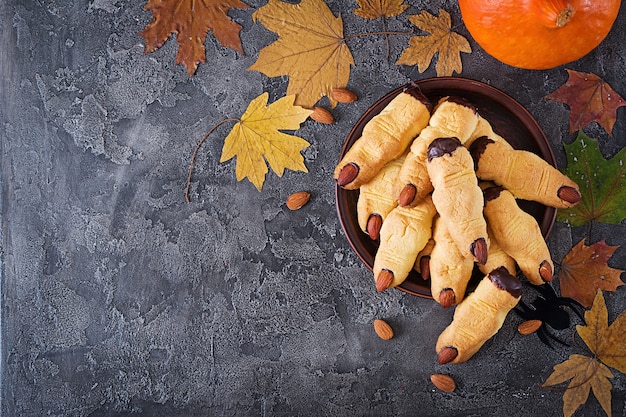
(119, 298)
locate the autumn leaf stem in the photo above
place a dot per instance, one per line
(195, 152)
(382, 32)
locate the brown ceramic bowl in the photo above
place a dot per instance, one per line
(508, 118)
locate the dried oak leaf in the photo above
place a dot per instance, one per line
(190, 21)
(441, 40)
(592, 374)
(374, 9)
(590, 99)
(585, 269)
(257, 138)
(602, 183)
(310, 49)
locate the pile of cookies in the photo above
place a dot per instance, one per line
(439, 189)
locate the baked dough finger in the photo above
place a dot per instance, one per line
(385, 137)
(457, 196)
(422, 262)
(376, 198)
(453, 117)
(450, 271)
(484, 128)
(497, 256)
(518, 234)
(405, 232)
(541, 182)
(479, 317)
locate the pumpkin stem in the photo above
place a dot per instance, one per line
(564, 16)
(554, 13)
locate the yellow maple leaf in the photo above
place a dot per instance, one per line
(257, 138)
(607, 344)
(441, 40)
(374, 9)
(310, 49)
(586, 374)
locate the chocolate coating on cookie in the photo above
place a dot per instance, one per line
(463, 102)
(491, 193)
(501, 278)
(477, 148)
(414, 90)
(441, 146)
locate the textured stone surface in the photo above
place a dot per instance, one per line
(119, 298)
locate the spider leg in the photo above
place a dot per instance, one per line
(524, 311)
(546, 290)
(573, 305)
(544, 334)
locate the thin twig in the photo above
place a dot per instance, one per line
(357, 35)
(195, 153)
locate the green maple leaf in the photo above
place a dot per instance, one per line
(602, 183)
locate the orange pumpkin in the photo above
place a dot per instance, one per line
(538, 34)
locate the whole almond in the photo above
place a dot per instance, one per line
(343, 95)
(297, 200)
(447, 355)
(407, 195)
(383, 329)
(347, 174)
(322, 115)
(569, 194)
(529, 327)
(447, 297)
(443, 382)
(374, 223)
(384, 280)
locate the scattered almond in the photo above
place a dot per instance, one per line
(322, 115)
(383, 329)
(343, 95)
(297, 200)
(443, 382)
(529, 327)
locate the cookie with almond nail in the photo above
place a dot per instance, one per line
(526, 175)
(404, 233)
(384, 138)
(450, 271)
(478, 317)
(453, 117)
(457, 196)
(376, 198)
(518, 234)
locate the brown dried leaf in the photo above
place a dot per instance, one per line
(310, 49)
(590, 99)
(607, 345)
(374, 9)
(586, 374)
(585, 269)
(190, 21)
(441, 40)
(606, 342)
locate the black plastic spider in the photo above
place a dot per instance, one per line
(550, 309)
